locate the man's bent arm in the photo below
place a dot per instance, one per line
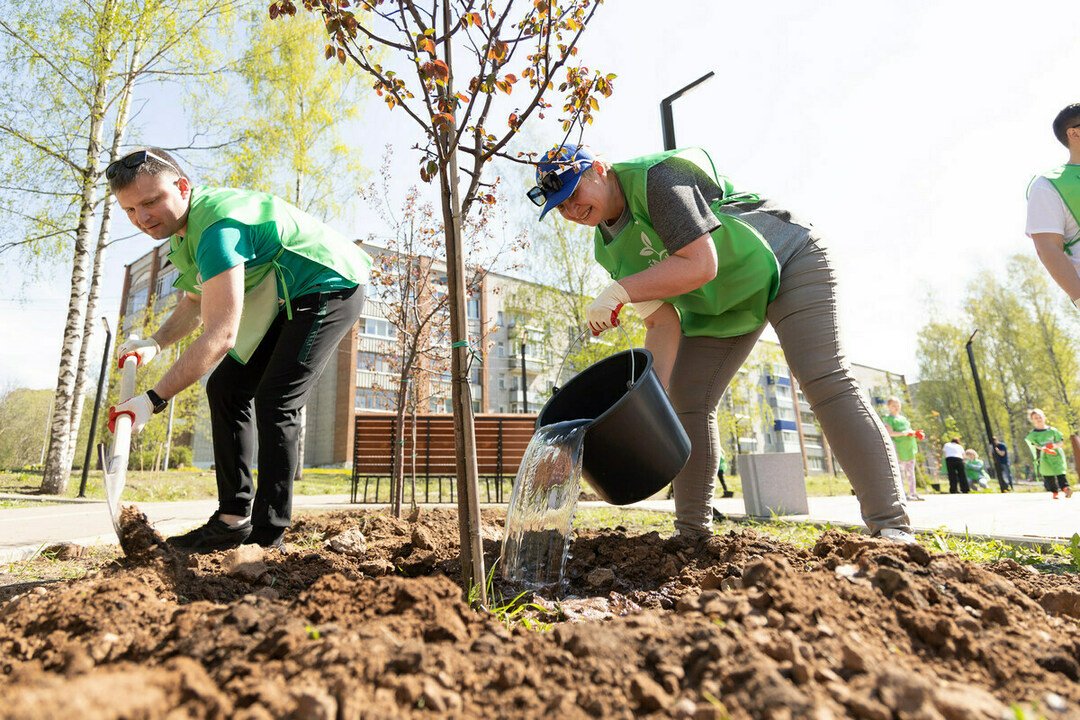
(222, 303)
(662, 336)
(1051, 249)
(182, 321)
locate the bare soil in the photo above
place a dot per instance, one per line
(738, 626)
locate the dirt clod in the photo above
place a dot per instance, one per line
(138, 539)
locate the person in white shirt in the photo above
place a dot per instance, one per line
(1053, 210)
(954, 465)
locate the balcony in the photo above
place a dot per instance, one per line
(533, 365)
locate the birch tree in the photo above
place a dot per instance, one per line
(54, 116)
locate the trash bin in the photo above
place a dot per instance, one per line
(773, 484)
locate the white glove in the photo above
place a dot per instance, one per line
(145, 350)
(139, 408)
(603, 312)
(645, 308)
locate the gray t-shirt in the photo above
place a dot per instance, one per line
(678, 196)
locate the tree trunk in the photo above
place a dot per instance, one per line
(119, 130)
(397, 481)
(58, 462)
(472, 555)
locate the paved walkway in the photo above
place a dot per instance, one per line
(1021, 516)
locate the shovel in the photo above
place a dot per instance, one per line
(115, 460)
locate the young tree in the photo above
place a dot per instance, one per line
(407, 282)
(433, 50)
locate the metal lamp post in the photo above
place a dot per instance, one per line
(667, 119)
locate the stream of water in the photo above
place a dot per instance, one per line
(540, 517)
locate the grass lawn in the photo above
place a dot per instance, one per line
(196, 484)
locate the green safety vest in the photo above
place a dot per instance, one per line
(906, 445)
(1066, 180)
(299, 233)
(1045, 463)
(748, 275)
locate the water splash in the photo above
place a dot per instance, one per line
(542, 504)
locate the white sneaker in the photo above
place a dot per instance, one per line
(898, 536)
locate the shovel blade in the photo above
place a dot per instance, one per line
(114, 487)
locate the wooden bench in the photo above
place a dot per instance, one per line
(501, 440)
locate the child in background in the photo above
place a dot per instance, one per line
(904, 439)
(1047, 446)
(976, 472)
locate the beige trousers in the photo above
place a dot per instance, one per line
(804, 317)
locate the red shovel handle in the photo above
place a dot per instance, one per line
(125, 356)
(113, 414)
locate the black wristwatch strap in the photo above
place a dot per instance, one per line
(156, 401)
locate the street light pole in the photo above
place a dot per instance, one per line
(524, 386)
(667, 119)
(97, 406)
(979, 392)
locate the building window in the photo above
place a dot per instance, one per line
(369, 399)
(473, 308)
(164, 285)
(137, 299)
(378, 327)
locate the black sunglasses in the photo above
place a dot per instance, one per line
(133, 161)
(550, 183)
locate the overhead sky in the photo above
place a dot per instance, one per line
(906, 133)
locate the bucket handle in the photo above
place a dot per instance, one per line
(577, 341)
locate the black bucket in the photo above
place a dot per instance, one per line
(635, 444)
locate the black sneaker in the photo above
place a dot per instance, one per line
(267, 536)
(214, 535)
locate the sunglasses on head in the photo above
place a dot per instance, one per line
(550, 183)
(133, 161)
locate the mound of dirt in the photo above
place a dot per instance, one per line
(736, 626)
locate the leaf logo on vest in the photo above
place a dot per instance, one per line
(648, 249)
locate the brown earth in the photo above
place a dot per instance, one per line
(738, 626)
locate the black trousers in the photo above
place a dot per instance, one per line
(957, 476)
(1053, 483)
(264, 398)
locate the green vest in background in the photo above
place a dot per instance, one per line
(747, 277)
(1047, 463)
(298, 232)
(1066, 180)
(906, 445)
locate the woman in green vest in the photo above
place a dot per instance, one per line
(706, 266)
(275, 291)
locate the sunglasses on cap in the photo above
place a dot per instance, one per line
(133, 161)
(550, 183)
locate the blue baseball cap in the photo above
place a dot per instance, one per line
(558, 175)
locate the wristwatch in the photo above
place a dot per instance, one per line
(156, 401)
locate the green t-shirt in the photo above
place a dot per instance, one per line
(1047, 463)
(228, 243)
(906, 446)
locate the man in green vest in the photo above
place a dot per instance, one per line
(706, 266)
(275, 291)
(1053, 209)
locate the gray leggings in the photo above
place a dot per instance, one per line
(804, 317)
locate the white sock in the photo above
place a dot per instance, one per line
(234, 521)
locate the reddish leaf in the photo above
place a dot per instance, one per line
(274, 12)
(426, 45)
